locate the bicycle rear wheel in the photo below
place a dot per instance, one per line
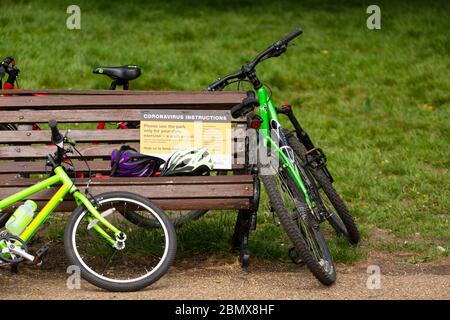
(177, 217)
(146, 256)
(300, 225)
(342, 222)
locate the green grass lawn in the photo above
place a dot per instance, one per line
(377, 101)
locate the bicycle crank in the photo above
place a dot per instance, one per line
(14, 250)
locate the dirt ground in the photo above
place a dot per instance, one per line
(224, 279)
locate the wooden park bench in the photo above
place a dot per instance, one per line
(23, 153)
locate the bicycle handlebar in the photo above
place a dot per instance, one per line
(8, 66)
(57, 137)
(7, 61)
(223, 81)
(59, 141)
(288, 38)
(273, 50)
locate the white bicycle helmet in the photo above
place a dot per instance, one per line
(188, 162)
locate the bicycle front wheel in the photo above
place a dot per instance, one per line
(146, 255)
(300, 225)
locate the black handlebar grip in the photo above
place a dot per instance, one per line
(247, 105)
(289, 37)
(57, 138)
(7, 61)
(236, 111)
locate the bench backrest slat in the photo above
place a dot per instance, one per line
(198, 100)
(87, 136)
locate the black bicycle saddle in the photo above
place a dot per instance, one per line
(124, 73)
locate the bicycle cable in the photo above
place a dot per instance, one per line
(270, 90)
(86, 191)
(239, 82)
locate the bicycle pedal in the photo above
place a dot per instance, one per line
(40, 254)
(14, 269)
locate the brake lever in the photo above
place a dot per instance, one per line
(67, 139)
(279, 52)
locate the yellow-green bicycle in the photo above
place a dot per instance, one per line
(104, 236)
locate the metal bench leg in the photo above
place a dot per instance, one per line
(241, 236)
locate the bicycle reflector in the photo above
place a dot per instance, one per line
(254, 121)
(286, 107)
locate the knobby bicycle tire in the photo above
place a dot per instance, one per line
(351, 232)
(296, 236)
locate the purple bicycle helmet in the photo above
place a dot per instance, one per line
(128, 162)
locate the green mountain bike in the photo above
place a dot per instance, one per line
(295, 188)
(104, 236)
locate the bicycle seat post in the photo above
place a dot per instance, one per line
(118, 82)
(113, 85)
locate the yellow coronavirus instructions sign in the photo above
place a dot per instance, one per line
(165, 131)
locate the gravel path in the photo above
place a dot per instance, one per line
(221, 279)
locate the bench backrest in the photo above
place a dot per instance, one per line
(19, 147)
(23, 153)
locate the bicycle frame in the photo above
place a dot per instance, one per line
(68, 185)
(269, 116)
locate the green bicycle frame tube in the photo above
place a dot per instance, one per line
(68, 185)
(268, 113)
(267, 110)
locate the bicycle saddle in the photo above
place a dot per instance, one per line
(124, 73)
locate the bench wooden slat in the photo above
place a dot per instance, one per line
(167, 204)
(43, 136)
(99, 166)
(88, 151)
(162, 191)
(199, 100)
(96, 166)
(11, 180)
(175, 193)
(77, 115)
(41, 151)
(26, 92)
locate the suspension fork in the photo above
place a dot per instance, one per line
(95, 215)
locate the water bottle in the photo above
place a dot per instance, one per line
(21, 218)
